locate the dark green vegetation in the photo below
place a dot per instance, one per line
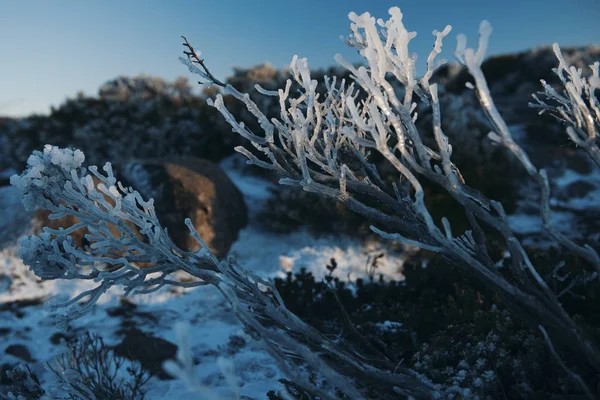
(444, 326)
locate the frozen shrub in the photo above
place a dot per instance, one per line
(307, 142)
(57, 181)
(323, 142)
(90, 370)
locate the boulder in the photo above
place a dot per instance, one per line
(184, 188)
(41, 219)
(198, 189)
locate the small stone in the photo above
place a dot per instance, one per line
(19, 351)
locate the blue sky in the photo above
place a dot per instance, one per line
(50, 50)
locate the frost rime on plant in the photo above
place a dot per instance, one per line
(322, 142)
(304, 145)
(55, 180)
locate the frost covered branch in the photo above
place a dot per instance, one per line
(56, 180)
(322, 143)
(575, 87)
(193, 57)
(577, 106)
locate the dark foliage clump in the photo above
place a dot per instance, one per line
(446, 327)
(132, 118)
(290, 208)
(507, 73)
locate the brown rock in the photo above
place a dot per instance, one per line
(197, 189)
(41, 219)
(184, 188)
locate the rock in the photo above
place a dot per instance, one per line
(150, 351)
(41, 219)
(197, 189)
(184, 188)
(19, 351)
